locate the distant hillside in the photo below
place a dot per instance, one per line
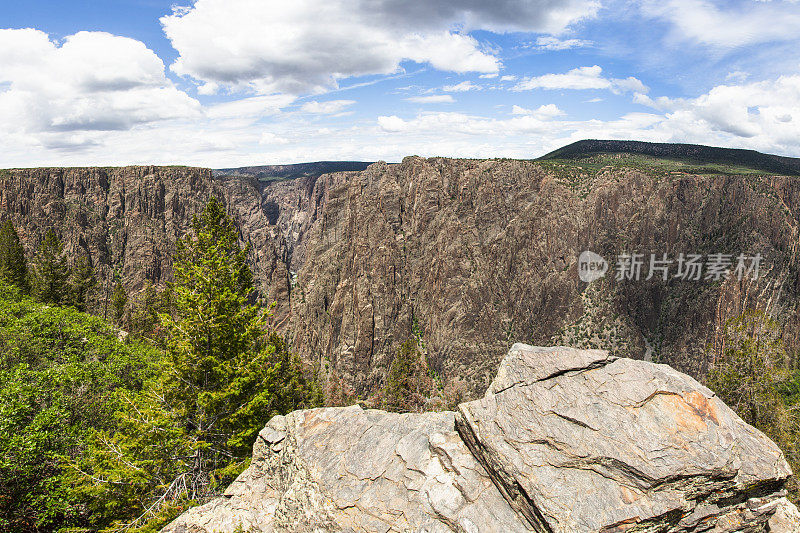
(299, 170)
(692, 153)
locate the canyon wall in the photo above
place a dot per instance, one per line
(469, 256)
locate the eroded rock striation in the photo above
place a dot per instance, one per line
(564, 441)
(581, 441)
(477, 254)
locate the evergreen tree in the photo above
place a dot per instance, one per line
(119, 299)
(191, 430)
(51, 272)
(82, 282)
(212, 337)
(409, 385)
(13, 267)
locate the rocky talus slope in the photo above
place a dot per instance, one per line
(564, 441)
(469, 256)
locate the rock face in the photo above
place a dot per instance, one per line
(126, 219)
(480, 254)
(346, 469)
(564, 441)
(471, 255)
(581, 441)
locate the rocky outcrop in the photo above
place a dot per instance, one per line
(564, 441)
(582, 441)
(346, 469)
(786, 517)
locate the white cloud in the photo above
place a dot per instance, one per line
(432, 99)
(91, 82)
(737, 76)
(508, 77)
(269, 138)
(306, 46)
(253, 107)
(726, 25)
(464, 86)
(454, 123)
(542, 112)
(762, 115)
(629, 84)
(331, 107)
(548, 42)
(582, 78)
(391, 124)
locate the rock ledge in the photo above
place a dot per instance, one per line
(564, 441)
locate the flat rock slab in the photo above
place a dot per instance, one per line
(348, 469)
(579, 441)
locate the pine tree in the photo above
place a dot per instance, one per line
(82, 281)
(51, 272)
(13, 267)
(191, 430)
(119, 299)
(213, 333)
(409, 385)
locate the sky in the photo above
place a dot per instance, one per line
(224, 83)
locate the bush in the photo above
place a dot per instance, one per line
(59, 373)
(751, 375)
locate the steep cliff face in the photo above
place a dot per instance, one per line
(478, 254)
(128, 219)
(125, 218)
(469, 255)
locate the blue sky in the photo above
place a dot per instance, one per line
(240, 82)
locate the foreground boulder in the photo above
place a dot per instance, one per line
(347, 469)
(582, 441)
(564, 441)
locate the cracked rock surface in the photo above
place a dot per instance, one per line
(564, 441)
(349, 469)
(580, 441)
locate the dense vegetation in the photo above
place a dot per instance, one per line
(752, 375)
(105, 430)
(691, 153)
(61, 373)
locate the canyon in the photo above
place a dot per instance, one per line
(467, 256)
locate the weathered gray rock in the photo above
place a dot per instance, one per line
(580, 441)
(564, 441)
(786, 518)
(347, 469)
